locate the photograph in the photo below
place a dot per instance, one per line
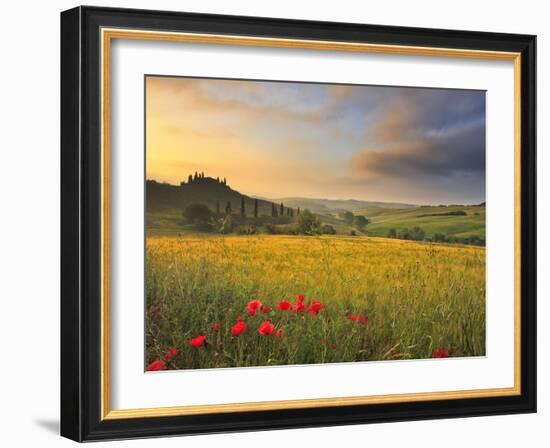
(295, 223)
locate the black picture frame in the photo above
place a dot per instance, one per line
(81, 224)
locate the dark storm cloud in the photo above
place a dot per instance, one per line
(427, 133)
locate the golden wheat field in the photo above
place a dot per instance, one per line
(234, 301)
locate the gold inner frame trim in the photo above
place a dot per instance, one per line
(107, 35)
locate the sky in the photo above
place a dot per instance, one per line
(282, 139)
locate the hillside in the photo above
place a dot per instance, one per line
(431, 219)
(166, 203)
(328, 206)
(161, 197)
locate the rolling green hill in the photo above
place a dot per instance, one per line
(327, 206)
(165, 202)
(431, 219)
(165, 205)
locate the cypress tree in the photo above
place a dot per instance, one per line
(298, 212)
(196, 176)
(282, 213)
(243, 213)
(190, 179)
(255, 208)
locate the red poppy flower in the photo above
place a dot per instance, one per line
(440, 353)
(284, 305)
(157, 365)
(315, 307)
(239, 328)
(171, 353)
(361, 318)
(198, 341)
(300, 307)
(279, 334)
(266, 309)
(253, 306)
(266, 328)
(216, 326)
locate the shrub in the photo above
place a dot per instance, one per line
(347, 217)
(417, 234)
(197, 214)
(360, 222)
(247, 229)
(404, 234)
(328, 230)
(308, 224)
(271, 229)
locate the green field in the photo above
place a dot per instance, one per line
(166, 205)
(383, 219)
(170, 222)
(416, 297)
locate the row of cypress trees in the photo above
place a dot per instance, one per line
(279, 210)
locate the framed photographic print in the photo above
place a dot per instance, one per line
(273, 223)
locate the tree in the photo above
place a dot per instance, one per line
(404, 234)
(197, 214)
(190, 179)
(308, 224)
(327, 229)
(417, 234)
(347, 217)
(196, 176)
(228, 208)
(243, 211)
(255, 208)
(298, 211)
(440, 237)
(392, 233)
(282, 210)
(360, 222)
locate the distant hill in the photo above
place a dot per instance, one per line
(329, 206)
(453, 220)
(165, 205)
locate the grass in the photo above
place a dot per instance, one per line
(473, 224)
(170, 221)
(417, 296)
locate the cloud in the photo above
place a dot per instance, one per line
(324, 140)
(422, 134)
